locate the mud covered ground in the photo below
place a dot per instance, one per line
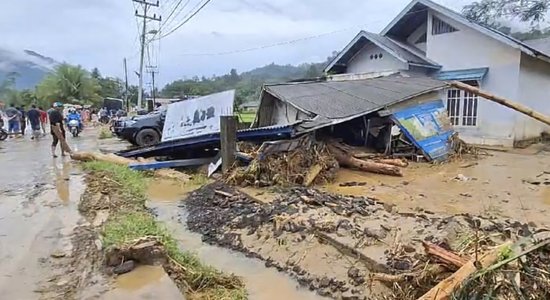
(332, 243)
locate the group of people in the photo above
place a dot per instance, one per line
(18, 118)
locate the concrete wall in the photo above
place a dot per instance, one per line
(361, 62)
(534, 91)
(466, 49)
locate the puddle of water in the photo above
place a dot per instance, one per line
(144, 282)
(166, 190)
(261, 282)
(546, 195)
(139, 277)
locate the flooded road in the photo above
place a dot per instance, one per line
(262, 283)
(38, 211)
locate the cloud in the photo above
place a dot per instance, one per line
(100, 33)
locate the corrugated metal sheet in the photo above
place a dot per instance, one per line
(343, 99)
(463, 75)
(428, 127)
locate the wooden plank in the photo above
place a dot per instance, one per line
(228, 141)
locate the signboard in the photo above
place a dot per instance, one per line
(428, 127)
(197, 116)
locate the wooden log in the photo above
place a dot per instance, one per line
(222, 193)
(503, 101)
(113, 158)
(392, 161)
(347, 160)
(444, 255)
(444, 289)
(312, 173)
(64, 145)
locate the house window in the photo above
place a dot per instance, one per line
(440, 27)
(462, 107)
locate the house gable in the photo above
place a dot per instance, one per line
(370, 52)
(416, 13)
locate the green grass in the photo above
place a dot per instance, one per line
(201, 278)
(133, 183)
(246, 117)
(134, 222)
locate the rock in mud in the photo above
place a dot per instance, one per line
(147, 250)
(125, 267)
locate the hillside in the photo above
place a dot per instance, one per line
(247, 84)
(29, 67)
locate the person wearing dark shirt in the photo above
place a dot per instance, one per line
(23, 119)
(56, 120)
(34, 119)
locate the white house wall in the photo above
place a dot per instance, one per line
(467, 48)
(534, 90)
(361, 62)
(284, 113)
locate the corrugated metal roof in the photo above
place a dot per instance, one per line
(342, 99)
(463, 75)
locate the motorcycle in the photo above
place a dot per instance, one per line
(74, 127)
(3, 133)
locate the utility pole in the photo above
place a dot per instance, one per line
(153, 71)
(143, 34)
(126, 100)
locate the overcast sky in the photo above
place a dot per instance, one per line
(99, 33)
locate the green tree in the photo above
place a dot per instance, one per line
(489, 11)
(70, 84)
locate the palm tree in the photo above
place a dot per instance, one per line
(69, 84)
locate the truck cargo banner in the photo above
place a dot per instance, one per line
(197, 116)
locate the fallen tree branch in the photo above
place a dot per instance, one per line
(222, 193)
(346, 159)
(444, 255)
(444, 289)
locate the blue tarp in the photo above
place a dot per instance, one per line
(463, 75)
(428, 127)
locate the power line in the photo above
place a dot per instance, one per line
(168, 20)
(272, 45)
(188, 19)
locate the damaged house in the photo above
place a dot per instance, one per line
(427, 38)
(363, 112)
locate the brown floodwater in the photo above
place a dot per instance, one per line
(144, 282)
(495, 186)
(262, 283)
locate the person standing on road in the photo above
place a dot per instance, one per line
(23, 119)
(43, 119)
(56, 122)
(34, 119)
(14, 117)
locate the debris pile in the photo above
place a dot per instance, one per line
(309, 163)
(370, 248)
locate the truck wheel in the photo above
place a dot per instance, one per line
(147, 137)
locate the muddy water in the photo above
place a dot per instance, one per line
(261, 282)
(495, 186)
(144, 282)
(38, 211)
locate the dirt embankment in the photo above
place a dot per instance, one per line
(334, 244)
(120, 234)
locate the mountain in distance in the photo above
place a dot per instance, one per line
(29, 67)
